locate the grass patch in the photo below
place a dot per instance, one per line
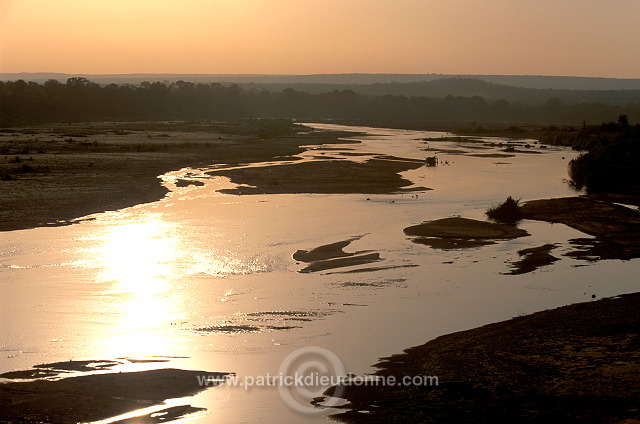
(507, 212)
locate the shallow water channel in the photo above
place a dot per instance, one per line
(206, 281)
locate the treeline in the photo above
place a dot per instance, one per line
(611, 161)
(79, 98)
(466, 87)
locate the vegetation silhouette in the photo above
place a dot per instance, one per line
(507, 212)
(610, 161)
(611, 157)
(81, 99)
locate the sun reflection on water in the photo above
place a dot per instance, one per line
(154, 274)
(136, 260)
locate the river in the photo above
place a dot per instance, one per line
(206, 280)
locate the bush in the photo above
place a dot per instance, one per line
(609, 168)
(507, 212)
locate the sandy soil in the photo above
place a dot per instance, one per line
(574, 364)
(51, 175)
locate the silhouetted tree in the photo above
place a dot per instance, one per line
(623, 120)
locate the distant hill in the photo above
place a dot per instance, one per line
(524, 81)
(465, 87)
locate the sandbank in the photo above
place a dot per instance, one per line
(460, 233)
(375, 176)
(54, 174)
(332, 255)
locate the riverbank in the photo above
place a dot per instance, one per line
(578, 363)
(55, 174)
(613, 219)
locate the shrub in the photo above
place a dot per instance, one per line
(507, 212)
(609, 168)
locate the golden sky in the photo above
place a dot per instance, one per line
(541, 37)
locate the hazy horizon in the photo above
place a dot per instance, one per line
(288, 37)
(309, 74)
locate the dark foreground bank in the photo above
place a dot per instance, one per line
(574, 364)
(82, 391)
